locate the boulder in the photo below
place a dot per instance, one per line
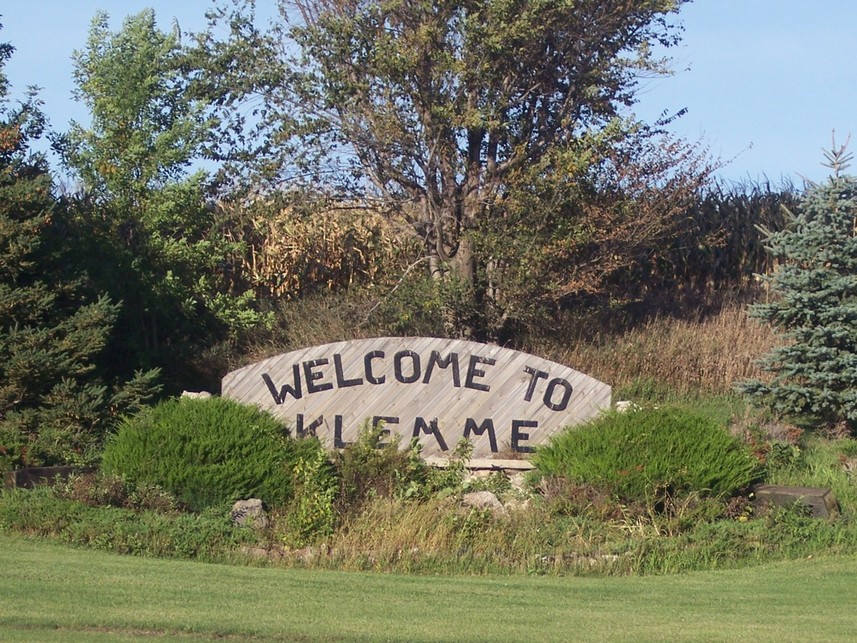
(196, 395)
(250, 513)
(483, 500)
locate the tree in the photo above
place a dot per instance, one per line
(459, 116)
(814, 305)
(143, 218)
(54, 405)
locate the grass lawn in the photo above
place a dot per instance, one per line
(50, 592)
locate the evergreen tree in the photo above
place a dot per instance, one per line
(815, 305)
(54, 408)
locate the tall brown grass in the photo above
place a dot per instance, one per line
(705, 355)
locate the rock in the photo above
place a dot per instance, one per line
(626, 406)
(249, 513)
(517, 504)
(196, 395)
(476, 475)
(255, 552)
(304, 555)
(32, 476)
(518, 480)
(484, 500)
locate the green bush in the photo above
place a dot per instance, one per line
(650, 456)
(207, 452)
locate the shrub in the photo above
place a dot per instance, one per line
(650, 456)
(207, 452)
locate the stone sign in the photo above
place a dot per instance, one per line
(436, 390)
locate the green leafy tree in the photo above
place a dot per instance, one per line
(155, 243)
(54, 406)
(814, 305)
(471, 122)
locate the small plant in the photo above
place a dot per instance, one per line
(449, 480)
(207, 452)
(374, 466)
(652, 457)
(311, 514)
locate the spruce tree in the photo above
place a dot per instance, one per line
(54, 407)
(814, 305)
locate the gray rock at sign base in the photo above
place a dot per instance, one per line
(483, 500)
(249, 513)
(196, 395)
(626, 406)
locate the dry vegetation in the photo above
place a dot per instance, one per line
(291, 251)
(704, 354)
(687, 356)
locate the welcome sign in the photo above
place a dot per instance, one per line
(435, 390)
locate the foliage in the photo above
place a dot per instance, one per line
(207, 452)
(814, 306)
(682, 354)
(569, 528)
(142, 532)
(650, 456)
(374, 466)
(145, 232)
(55, 404)
(817, 462)
(577, 224)
(98, 490)
(311, 514)
(719, 243)
(458, 117)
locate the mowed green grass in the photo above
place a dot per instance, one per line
(50, 592)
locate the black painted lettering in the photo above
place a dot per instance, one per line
(367, 367)
(379, 423)
(415, 366)
(341, 382)
(549, 394)
(309, 429)
(473, 372)
(536, 375)
(436, 360)
(294, 391)
(519, 436)
(338, 442)
(310, 376)
(487, 425)
(429, 428)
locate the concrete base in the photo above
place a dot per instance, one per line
(29, 478)
(819, 501)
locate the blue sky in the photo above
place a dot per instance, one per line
(765, 82)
